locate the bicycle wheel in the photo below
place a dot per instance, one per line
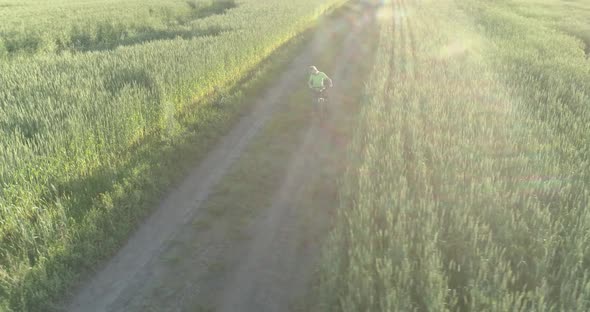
(322, 109)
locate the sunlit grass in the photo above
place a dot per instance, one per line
(91, 132)
(468, 177)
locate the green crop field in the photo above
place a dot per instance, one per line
(468, 182)
(95, 98)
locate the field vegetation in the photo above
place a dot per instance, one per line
(101, 104)
(58, 27)
(468, 180)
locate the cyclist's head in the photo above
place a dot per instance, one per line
(313, 70)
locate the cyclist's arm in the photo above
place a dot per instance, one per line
(326, 78)
(309, 82)
(330, 84)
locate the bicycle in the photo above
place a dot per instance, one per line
(320, 103)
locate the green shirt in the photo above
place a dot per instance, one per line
(316, 81)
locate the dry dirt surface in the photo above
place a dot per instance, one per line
(165, 266)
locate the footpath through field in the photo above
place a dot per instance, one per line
(200, 252)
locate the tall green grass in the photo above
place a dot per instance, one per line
(467, 185)
(62, 26)
(91, 133)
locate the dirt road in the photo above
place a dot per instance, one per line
(166, 266)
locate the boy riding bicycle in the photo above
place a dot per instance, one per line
(316, 83)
